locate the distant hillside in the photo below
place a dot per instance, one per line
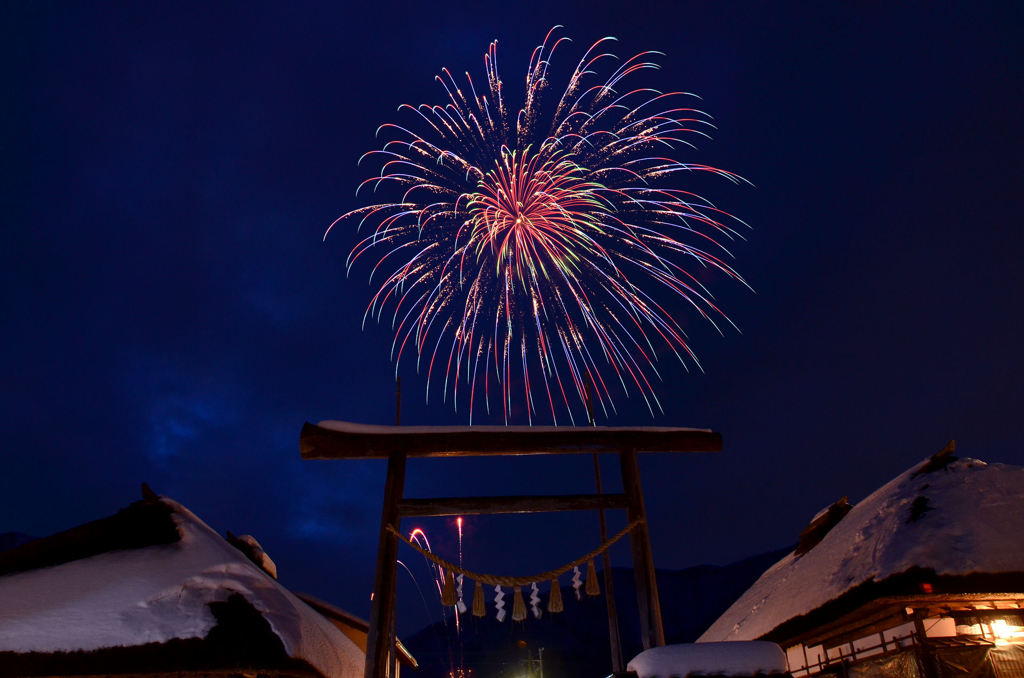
(575, 642)
(11, 540)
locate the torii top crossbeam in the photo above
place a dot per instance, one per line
(346, 440)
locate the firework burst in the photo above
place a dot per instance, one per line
(524, 256)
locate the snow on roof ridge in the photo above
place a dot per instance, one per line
(969, 517)
(142, 523)
(312, 626)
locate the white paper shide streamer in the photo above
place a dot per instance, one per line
(577, 582)
(534, 600)
(499, 604)
(461, 605)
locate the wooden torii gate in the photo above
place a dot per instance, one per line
(343, 440)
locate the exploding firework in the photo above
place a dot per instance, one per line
(526, 255)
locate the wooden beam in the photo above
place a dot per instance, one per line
(887, 611)
(343, 440)
(651, 631)
(455, 506)
(379, 638)
(927, 658)
(614, 637)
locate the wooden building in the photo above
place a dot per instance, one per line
(924, 577)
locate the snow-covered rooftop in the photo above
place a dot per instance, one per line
(709, 659)
(960, 517)
(157, 593)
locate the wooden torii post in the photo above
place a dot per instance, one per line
(344, 440)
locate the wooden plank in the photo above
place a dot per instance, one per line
(651, 631)
(341, 440)
(884, 612)
(614, 638)
(928, 660)
(455, 506)
(379, 638)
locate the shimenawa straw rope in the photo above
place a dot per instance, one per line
(496, 580)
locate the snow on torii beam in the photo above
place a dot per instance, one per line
(346, 440)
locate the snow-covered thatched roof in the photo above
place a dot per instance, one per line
(152, 577)
(947, 518)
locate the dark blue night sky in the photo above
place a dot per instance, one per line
(171, 315)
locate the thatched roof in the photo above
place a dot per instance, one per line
(355, 627)
(953, 524)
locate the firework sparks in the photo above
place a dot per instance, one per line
(458, 523)
(419, 536)
(525, 254)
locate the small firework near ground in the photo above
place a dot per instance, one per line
(526, 255)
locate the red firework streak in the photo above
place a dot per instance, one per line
(523, 254)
